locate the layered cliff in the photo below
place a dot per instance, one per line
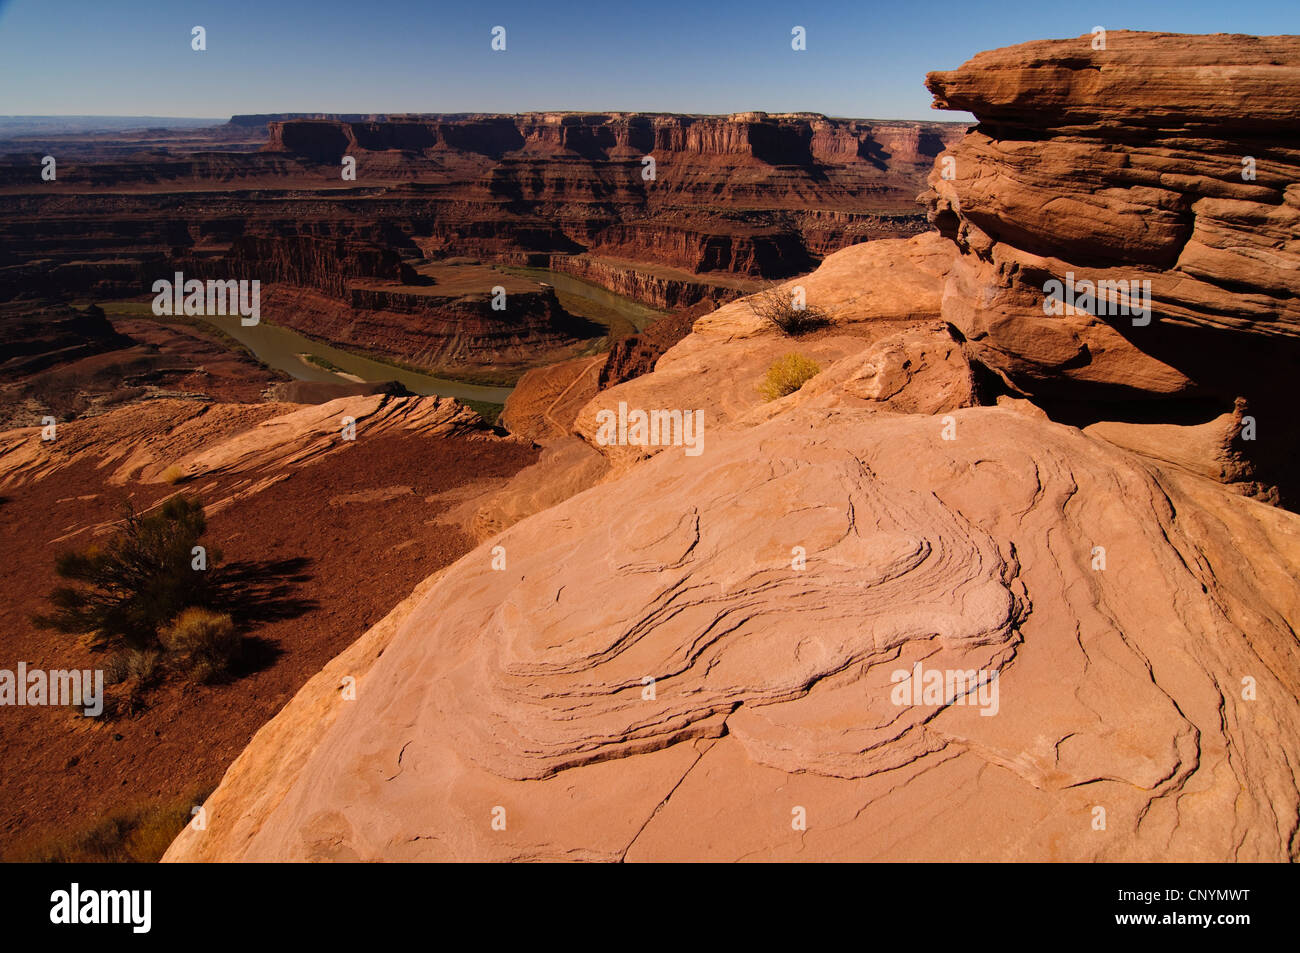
(749, 194)
(35, 338)
(731, 202)
(1156, 178)
(777, 139)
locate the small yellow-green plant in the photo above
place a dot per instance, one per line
(787, 375)
(201, 643)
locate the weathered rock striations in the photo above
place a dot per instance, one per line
(201, 440)
(1161, 159)
(692, 653)
(773, 685)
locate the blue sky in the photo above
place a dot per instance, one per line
(864, 58)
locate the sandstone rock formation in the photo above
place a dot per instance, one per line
(1159, 159)
(870, 291)
(773, 686)
(638, 354)
(724, 656)
(748, 196)
(197, 440)
(547, 400)
(35, 338)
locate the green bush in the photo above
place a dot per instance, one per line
(138, 581)
(201, 643)
(787, 375)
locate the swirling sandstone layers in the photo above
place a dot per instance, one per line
(1137, 618)
(524, 688)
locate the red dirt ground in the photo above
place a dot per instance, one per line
(62, 771)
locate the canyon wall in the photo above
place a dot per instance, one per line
(34, 338)
(433, 332)
(733, 202)
(662, 288)
(776, 139)
(747, 195)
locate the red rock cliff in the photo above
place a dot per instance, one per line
(1169, 163)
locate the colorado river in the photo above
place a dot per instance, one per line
(282, 349)
(622, 316)
(279, 348)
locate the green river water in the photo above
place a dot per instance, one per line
(280, 348)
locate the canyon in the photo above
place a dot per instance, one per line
(529, 643)
(398, 260)
(692, 657)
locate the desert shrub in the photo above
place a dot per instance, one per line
(172, 475)
(116, 668)
(137, 582)
(777, 306)
(201, 643)
(787, 375)
(140, 666)
(130, 675)
(139, 833)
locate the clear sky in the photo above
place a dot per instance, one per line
(864, 58)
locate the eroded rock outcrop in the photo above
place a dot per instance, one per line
(636, 355)
(773, 684)
(870, 291)
(361, 295)
(195, 440)
(1165, 164)
(732, 654)
(33, 338)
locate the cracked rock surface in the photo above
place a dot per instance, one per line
(523, 688)
(704, 657)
